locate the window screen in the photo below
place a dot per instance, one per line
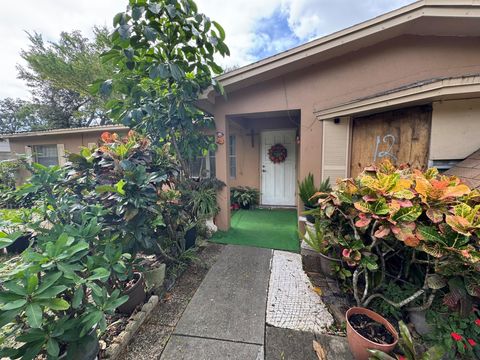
(46, 155)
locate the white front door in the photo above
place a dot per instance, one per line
(278, 180)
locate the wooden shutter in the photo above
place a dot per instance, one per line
(335, 153)
(28, 154)
(61, 154)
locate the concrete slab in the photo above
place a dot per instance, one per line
(230, 303)
(292, 303)
(286, 344)
(336, 347)
(193, 348)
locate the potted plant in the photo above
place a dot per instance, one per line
(316, 246)
(123, 277)
(247, 197)
(307, 191)
(203, 203)
(368, 330)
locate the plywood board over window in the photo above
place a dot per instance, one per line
(336, 139)
(402, 136)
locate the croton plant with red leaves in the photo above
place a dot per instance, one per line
(401, 223)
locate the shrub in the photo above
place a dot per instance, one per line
(401, 224)
(307, 189)
(245, 196)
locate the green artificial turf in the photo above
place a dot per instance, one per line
(273, 229)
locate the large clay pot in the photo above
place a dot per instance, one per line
(358, 344)
(136, 295)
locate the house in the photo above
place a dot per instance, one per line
(48, 147)
(403, 86)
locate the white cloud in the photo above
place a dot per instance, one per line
(313, 18)
(306, 18)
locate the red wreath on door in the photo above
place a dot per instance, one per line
(277, 153)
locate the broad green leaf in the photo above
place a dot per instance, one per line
(176, 72)
(14, 304)
(57, 304)
(15, 288)
(99, 274)
(379, 355)
(34, 315)
(7, 317)
(408, 214)
(32, 335)
(32, 283)
(51, 292)
(52, 347)
(220, 30)
(9, 296)
(155, 8)
(116, 303)
(90, 321)
(77, 297)
(429, 233)
(47, 281)
(4, 242)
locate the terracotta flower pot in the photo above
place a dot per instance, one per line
(359, 344)
(136, 295)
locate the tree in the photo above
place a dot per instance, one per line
(59, 75)
(18, 115)
(164, 52)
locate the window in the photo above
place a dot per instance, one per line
(232, 156)
(46, 155)
(204, 166)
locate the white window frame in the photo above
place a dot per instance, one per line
(35, 153)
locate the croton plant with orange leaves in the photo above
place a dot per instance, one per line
(399, 223)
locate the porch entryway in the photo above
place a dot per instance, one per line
(273, 229)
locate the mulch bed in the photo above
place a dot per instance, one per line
(371, 329)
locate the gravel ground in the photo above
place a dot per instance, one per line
(153, 335)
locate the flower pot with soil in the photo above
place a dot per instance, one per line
(135, 290)
(190, 237)
(368, 330)
(85, 349)
(19, 245)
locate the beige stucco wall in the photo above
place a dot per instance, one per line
(455, 129)
(369, 71)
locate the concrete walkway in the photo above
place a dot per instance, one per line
(226, 317)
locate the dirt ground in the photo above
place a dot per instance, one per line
(153, 335)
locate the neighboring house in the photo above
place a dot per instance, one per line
(49, 147)
(5, 153)
(404, 86)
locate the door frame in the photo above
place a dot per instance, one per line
(297, 150)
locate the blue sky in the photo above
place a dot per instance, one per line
(255, 28)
